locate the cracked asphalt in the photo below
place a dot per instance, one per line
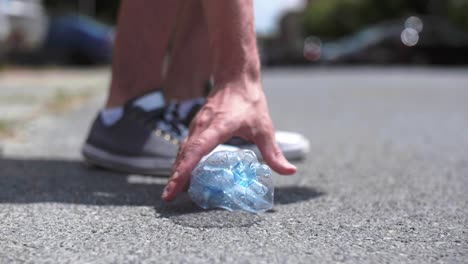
(386, 182)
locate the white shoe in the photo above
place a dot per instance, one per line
(293, 145)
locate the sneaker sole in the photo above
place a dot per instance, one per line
(292, 154)
(138, 165)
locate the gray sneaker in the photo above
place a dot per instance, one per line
(139, 142)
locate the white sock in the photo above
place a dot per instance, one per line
(150, 101)
(147, 102)
(110, 116)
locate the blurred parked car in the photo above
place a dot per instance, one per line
(415, 40)
(28, 35)
(425, 40)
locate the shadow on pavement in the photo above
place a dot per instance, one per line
(184, 212)
(70, 181)
(294, 194)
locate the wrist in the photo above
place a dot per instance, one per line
(245, 88)
(242, 75)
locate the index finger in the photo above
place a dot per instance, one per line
(191, 153)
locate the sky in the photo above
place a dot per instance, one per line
(268, 13)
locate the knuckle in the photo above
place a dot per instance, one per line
(202, 119)
(222, 127)
(197, 124)
(262, 133)
(277, 152)
(193, 147)
(205, 114)
(273, 154)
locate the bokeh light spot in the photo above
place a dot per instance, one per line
(312, 48)
(410, 37)
(415, 23)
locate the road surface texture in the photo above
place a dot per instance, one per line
(386, 181)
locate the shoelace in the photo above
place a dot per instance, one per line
(186, 110)
(167, 121)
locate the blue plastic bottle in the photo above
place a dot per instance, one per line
(232, 180)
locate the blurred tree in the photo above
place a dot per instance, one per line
(457, 10)
(331, 18)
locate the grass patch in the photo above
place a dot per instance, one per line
(6, 128)
(63, 100)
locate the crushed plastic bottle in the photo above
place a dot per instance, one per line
(232, 180)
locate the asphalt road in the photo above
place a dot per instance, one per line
(386, 182)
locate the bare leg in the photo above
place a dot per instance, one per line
(143, 33)
(190, 64)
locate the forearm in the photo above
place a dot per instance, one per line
(233, 41)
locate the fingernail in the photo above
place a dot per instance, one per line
(293, 168)
(167, 190)
(291, 165)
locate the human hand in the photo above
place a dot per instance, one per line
(228, 112)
